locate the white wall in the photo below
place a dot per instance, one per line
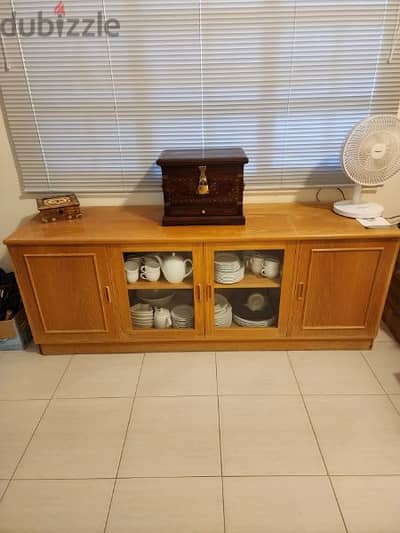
(14, 208)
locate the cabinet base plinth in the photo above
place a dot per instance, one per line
(200, 346)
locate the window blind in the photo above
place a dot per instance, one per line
(284, 79)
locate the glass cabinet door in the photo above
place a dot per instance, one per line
(246, 292)
(160, 292)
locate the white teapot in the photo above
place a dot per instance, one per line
(162, 318)
(174, 267)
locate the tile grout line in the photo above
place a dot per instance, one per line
(220, 443)
(394, 405)
(374, 474)
(381, 385)
(258, 395)
(318, 444)
(123, 445)
(36, 427)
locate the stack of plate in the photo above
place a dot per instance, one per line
(228, 268)
(253, 310)
(182, 316)
(222, 312)
(142, 316)
(246, 323)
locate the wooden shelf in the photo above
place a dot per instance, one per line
(161, 284)
(162, 331)
(250, 280)
(236, 326)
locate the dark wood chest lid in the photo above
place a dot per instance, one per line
(209, 156)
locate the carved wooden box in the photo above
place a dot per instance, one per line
(59, 207)
(203, 186)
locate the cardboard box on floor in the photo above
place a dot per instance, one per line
(15, 334)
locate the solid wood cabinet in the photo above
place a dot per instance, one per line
(330, 292)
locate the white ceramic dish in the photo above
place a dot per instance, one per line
(156, 298)
(254, 323)
(229, 279)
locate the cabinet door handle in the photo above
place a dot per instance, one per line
(108, 293)
(209, 292)
(300, 290)
(198, 292)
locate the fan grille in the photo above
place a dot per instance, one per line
(371, 154)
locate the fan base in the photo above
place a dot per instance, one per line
(347, 208)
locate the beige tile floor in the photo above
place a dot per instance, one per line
(244, 442)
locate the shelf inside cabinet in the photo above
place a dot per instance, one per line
(236, 326)
(251, 280)
(162, 284)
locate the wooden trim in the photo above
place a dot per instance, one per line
(207, 345)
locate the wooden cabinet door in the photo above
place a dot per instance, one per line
(189, 292)
(277, 291)
(341, 288)
(66, 292)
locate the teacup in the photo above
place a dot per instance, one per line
(271, 267)
(255, 262)
(132, 271)
(150, 273)
(150, 261)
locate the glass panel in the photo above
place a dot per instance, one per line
(160, 288)
(247, 288)
(159, 268)
(250, 308)
(161, 309)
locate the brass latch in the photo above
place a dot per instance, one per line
(202, 187)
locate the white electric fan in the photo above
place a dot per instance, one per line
(371, 155)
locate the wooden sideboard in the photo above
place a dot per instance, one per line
(330, 294)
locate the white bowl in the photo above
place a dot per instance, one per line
(156, 297)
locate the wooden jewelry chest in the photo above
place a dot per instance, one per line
(203, 186)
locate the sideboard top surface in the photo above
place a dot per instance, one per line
(140, 224)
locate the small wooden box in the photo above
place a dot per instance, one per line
(60, 207)
(203, 186)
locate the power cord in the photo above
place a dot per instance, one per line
(344, 198)
(336, 188)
